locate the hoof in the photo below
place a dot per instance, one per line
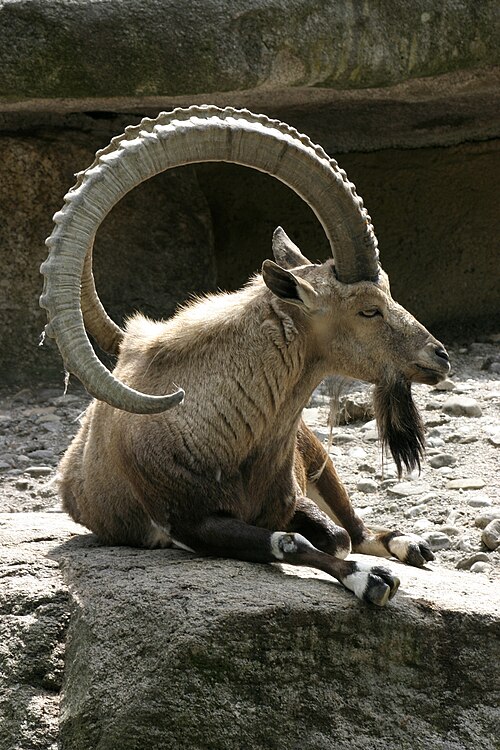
(410, 549)
(381, 586)
(373, 584)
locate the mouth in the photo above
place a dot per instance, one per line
(429, 375)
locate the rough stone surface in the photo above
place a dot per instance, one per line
(56, 49)
(34, 614)
(167, 649)
(367, 485)
(492, 514)
(404, 489)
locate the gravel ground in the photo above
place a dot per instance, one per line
(454, 503)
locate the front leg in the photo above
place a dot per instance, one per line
(409, 548)
(229, 537)
(326, 489)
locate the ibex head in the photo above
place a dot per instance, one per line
(361, 332)
(354, 326)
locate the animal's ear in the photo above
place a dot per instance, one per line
(289, 287)
(286, 253)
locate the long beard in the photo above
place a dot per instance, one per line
(400, 426)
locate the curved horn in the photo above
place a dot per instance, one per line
(97, 322)
(187, 136)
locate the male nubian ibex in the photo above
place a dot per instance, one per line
(232, 469)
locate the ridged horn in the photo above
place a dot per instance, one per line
(185, 136)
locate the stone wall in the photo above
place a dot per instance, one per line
(404, 95)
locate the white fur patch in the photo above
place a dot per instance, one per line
(357, 582)
(275, 548)
(400, 545)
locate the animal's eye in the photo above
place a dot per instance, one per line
(372, 312)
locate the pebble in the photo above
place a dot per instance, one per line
(430, 498)
(450, 530)
(366, 511)
(463, 545)
(468, 483)
(495, 439)
(445, 471)
(357, 452)
(435, 442)
(442, 459)
(464, 387)
(464, 439)
(51, 426)
(437, 540)
(404, 489)
(433, 405)
(491, 535)
(492, 514)
(367, 485)
(437, 420)
(445, 385)
(389, 482)
(341, 438)
(480, 567)
(461, 406)
(355, 407)
(22, 484)
(38, 471)
(415, 510)
(371, 425)
(489, 363)
(369, 468)
(478, 347)
(322, 434)
(479, 501)
(465, 563)
(41, 454)
(421, 525)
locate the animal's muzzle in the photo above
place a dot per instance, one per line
(432, 365)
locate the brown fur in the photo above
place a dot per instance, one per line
(248, 362)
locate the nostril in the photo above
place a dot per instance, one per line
(440, 351)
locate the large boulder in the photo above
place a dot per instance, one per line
(166, 649)
(124, 48)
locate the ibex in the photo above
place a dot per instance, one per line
(231, 470)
